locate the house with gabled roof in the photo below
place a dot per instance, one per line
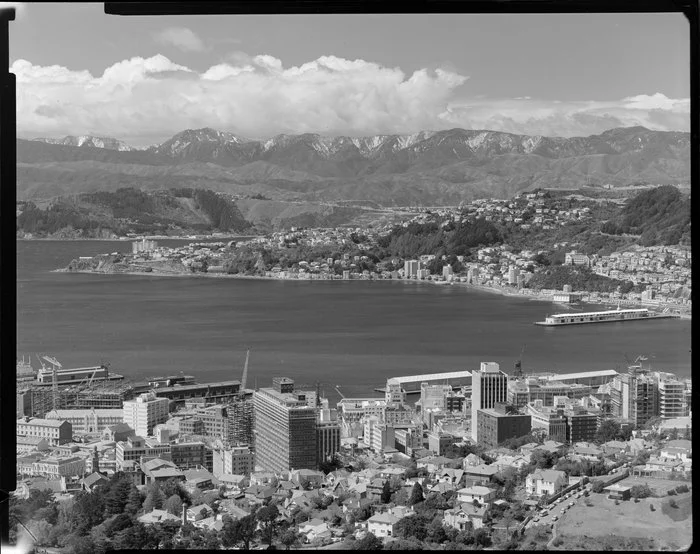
(545, 481)
(461, 516)
(158, 516)
(195, 513)
(483, 495)
(383, 525)
(480, 475)
(314, 529)
(94, 480)
(471, 460)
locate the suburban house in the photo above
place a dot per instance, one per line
(196, 513)
(479, 475)
(382, 525)
(483, 495)
(545, 481)
(314, 529)
(462, 515)
(158, 516)
(677, 450)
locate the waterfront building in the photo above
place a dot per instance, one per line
(411, 268)
(590, 378)
(145, 412)
(352, 410)
(434, 396)
(489, 385)
(55, 432)
(285, 429)
(447, 271)
(394, 395)
(88, 421)
(143, 245)
(513, 273)
(495, 425)
(219, 392)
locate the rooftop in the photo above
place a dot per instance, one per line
(432, 377)
(583, 375)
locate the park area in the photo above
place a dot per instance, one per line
(600, 524)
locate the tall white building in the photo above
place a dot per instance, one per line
(145, 412)
(410, 268)
(394, 394)
(489, 385)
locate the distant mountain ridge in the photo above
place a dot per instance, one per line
(428, 168)
(88, 141)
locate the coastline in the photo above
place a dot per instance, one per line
(538, 297)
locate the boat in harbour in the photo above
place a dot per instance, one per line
(606, 316)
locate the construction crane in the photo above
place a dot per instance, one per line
(337, 388)
(244, 378)
(518, 370)
(54, 379)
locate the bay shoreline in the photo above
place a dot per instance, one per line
(538, 297)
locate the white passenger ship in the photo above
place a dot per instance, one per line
(602, 317)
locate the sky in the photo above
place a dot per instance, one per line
(144, 79)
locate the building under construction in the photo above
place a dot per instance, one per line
(37, 401)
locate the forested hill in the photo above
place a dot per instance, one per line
(128, 210)
(660, 216)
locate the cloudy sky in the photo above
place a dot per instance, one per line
(143, 79)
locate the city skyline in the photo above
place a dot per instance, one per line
(145, 79)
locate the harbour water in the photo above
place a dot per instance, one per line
(348, 334)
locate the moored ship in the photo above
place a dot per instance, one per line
(606, 316)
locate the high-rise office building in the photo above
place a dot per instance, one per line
(327, 435)
(284, 429)
(145, 412)
(489, 385)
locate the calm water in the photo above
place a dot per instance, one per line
(351, 334)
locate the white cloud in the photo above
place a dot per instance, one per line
(144, 100)
(182, 38)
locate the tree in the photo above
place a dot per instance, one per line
(436, 530)
(267, 516)
(173, 505)
(609, 429)
(413, 526)
(154, 499)
(597, 486)
(368, 542)
(416, 494)
(386, 493)
(117, 497)
(134, 502)
(640, 491)
(482, 537)
(290, 538)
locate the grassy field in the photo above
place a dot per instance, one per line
(659, 486)
(628, 525)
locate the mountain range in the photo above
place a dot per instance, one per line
(427, 168)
